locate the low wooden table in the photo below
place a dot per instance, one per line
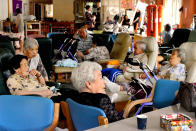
(62, 74)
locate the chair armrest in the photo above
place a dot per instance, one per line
(102, 120)
(130, 105)
(67, 115)
(55, 118)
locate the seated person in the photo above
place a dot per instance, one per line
(121, 74)
(23, 82)
(85, 40)
(95, 53)
(87, 79)
(109, 21)
(126, 21)
(167, 35)
(175, 69)
(34, 61)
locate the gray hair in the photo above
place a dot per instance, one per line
(141, 44)
(30, 43)
(84, 72)
(181, 54)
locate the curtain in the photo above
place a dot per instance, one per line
(171, 12)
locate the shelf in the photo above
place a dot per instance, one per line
(32, 26)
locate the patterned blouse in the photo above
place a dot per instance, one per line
(101, 101)
(98, 53)
(17, 83)
(36, 63)
(177, 73)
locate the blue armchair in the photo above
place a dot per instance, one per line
(27, 113)
(82, 117)
(163, 95)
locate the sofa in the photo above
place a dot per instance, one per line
(46, 53)
(6, 53)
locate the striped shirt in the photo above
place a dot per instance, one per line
(84, 44)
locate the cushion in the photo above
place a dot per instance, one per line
(120, 48)
(5, 43)
(151, 50)
(25, 113)
(190, 60)
(163, 97)
(5, 56)
(192, 36)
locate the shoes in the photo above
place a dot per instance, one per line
(113, 87)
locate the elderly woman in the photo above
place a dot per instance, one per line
(175, 69)
(34, 61)
(23, 82)
(87, 79)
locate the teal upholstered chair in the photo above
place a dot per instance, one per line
(27, 113)
(192, 36)
(163, 95)
(6, 53)
(82, 117)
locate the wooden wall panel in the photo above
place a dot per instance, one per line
(189, 9)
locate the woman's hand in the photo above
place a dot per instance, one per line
(38, 75)
(46, 93)
(124, 69)
(34, 72)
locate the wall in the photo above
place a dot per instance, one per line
(25, 8)
(189, 9)
(3, 9)
(63, 10)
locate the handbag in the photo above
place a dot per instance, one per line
(187, 96)
(138, 90)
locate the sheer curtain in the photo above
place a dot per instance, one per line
(171, 12)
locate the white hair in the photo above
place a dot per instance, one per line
(181, 54)
(141, 44)
(30, 43)
(84, 72)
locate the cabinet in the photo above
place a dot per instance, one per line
(32, 27)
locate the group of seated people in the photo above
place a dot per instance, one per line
(123, 21)
(29, 75)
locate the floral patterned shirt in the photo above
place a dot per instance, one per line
(177, 73)
(17, 83)
(36, 63)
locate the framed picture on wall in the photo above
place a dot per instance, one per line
(17, 4)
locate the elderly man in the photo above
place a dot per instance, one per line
(109, 21)
(85, 40)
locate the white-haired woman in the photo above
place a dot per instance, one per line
(35, 63)
(175, 69)
(87, 79)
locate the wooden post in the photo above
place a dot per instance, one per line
(8, 8)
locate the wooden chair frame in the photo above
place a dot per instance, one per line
(66, 112)
(55, 118)
(132, 104)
